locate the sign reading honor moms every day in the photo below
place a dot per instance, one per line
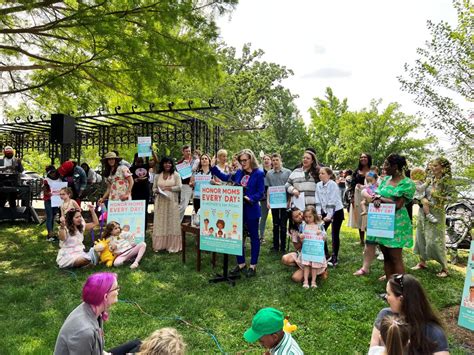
(220, 218)
(129, 213)
(381, 221)
(313, 244)
(466, 310)
(277, 196)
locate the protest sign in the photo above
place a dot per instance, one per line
(299, 202)
(55, 187)
(200, 180)
(313, 244)
(184, 169)
(220, 216)
(381, 221)
(277, 196)
(129, 213)
(144, 146)
(466, 310)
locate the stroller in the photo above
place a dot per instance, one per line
(459, 217)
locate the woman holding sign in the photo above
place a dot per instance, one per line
(201, 176)
(396, 189)
(304, 179)
(166, 223)
(251, 178)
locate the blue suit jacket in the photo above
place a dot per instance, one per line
(254, 190)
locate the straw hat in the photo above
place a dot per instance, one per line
(111, 155)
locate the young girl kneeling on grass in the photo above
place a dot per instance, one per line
(123, 245)
(311, 218)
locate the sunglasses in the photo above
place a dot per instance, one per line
(399, 279)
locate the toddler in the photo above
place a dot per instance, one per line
(395, 334)
(267, 329)
(123, 248)
(368, 192)
(65, 194)
(312, 220)
(418, 175)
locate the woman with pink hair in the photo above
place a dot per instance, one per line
(83, 331)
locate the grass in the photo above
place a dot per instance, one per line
(336, 318)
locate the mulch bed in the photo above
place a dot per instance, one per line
(463, 336)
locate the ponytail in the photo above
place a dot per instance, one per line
(395, 334)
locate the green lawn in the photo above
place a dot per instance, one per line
(336, 318)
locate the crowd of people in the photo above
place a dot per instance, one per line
(409, 323)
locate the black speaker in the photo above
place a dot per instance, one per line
(63, 129)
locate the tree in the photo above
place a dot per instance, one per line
(441, 80)
(340, 135)
(76, 53)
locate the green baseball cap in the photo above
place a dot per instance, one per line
(266, 321)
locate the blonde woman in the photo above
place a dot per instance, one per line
(221, 164)
(165, 341)
(252, 179)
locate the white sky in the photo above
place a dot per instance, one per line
(357, 47)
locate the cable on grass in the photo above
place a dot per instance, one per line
(178, 319)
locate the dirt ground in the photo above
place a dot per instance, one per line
(462, 335)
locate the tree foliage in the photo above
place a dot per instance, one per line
(340, 135)
(441, 79)
(76, 53)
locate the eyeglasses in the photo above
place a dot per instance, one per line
(399, 279)
(243, 160)
(114, 289)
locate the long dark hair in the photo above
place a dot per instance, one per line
(71, 227)
(314, 169)
(110, 170)
(417, 312)
(292, 226)
(161, 166)
(369, 161)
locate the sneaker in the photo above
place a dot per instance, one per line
(431, 218)
(251, 272)
(51, 239)
(237, 270)
(332, 261)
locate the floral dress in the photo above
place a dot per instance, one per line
(119, 183)
(403, 237)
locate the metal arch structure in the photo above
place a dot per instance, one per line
(196, 126)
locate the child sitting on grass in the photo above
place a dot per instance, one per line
(368, 192)
(395, 334)
(418, 175)
(267, 328)
(122, 247)
(313, 221)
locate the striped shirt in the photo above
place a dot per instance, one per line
(328, 198)
(287, 346)
(303, 182)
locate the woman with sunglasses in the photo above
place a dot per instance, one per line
(252, 179)
(407, 299)
(71, 238)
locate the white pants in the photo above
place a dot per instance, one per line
(186, 194)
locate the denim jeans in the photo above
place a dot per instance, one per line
(50, 213)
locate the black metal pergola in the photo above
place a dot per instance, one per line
(196, 126)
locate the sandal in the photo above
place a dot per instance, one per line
(134, 265)
(382, 278)
(305, 286)
(360, 272)
(314, 286)
(419, 266)
(442, 274)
